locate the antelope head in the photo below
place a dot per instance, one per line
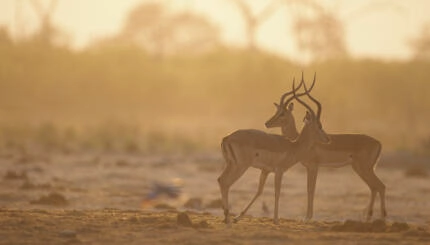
(312, 121)
(283, 116)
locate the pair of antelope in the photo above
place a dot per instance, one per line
(312, 147)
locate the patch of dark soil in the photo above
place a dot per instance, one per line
(399, 226)
(375, 226)
(416, 172)
(164, 206)
(53, 199)
(418, 233)
(14, 175)
(27, 185)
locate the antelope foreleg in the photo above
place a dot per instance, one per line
(312, 172)
(278, 183)
(263, 177)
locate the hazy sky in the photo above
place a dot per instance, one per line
(382, 31)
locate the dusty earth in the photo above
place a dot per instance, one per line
(100, 199)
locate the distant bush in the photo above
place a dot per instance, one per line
(425, 146)
(202, 96)
(105, 138)
(417, 172)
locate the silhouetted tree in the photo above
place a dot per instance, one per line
(47, 31)
(254, 21)
(5, 38)
(322, 33)
(318, 31)
(322, 36)
(151, 27)
(421, 44)
(191, 33)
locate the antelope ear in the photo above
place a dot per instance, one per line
(290, 106)
(307, 117)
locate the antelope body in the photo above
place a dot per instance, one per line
(358, 150)
(268, 152)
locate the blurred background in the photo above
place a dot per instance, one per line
(175, 76)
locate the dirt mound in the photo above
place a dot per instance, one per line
(184, 220)
(53, 199)
(399, 226)
(194, 203)
(217, 203)
(375, 226)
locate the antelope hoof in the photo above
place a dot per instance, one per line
(227, 220)
(307, 219)
(237, 218)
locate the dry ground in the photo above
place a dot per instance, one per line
(111, 226)
(97, 199)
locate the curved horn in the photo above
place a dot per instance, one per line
(298, 95)
(319, 107)
(281, 102)
(301, 101)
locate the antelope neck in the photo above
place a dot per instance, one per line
(290, 131)
(304, 142)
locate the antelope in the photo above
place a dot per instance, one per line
(268, 152)
(358, 150)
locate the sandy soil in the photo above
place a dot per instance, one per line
(112, 226)
(98, 199)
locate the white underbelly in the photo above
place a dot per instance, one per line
(335, 164)
(334, 159)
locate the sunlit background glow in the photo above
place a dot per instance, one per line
(194, 71)
(380, 29)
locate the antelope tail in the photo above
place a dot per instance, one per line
(227, 152)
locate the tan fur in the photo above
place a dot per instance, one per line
(268, 152)
(360, 151)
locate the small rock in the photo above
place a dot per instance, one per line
(399, 226)
(378, 225)
(184, 220)
(122, 163)
(55, 199)
(12, 175)
(202, 224)
(194, 203)
(351, 226)
(217, 203)
(68, 233)
(133, 219)
(164, 206)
